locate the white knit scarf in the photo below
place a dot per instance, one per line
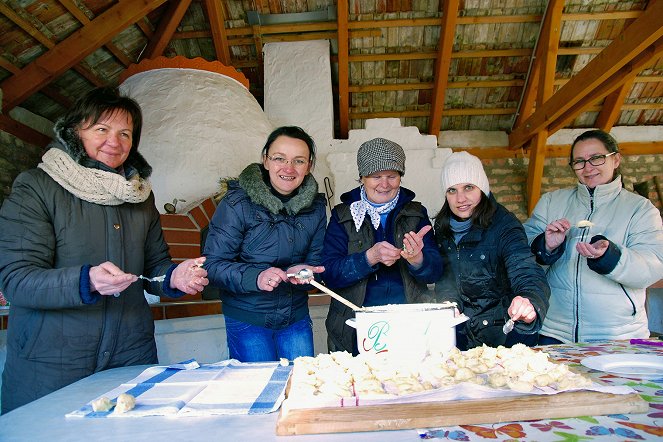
(360, 208)
(93, 185)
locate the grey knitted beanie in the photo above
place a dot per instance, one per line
(380, 154)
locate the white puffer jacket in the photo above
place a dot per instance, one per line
(602, 298)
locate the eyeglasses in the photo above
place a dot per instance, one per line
(596, 160)
(297, 162)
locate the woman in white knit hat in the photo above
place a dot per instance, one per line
(489, 270)
(74, 232)
(377, 249)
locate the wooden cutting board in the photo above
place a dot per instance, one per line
(438, 414)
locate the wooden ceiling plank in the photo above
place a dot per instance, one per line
(26, 26)
(442, 64)
(145, 26)
(168, 23)
(23, 132)
(9, 66)
(73, 49)
(611, 108)
(608, 85)
(83, 19)
(217, 25)
(637, 37)
(343, 68)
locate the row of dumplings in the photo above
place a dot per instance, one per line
(518, 368)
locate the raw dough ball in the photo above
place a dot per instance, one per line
(102, 404)
(125, 402)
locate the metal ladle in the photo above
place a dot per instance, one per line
(307, 275)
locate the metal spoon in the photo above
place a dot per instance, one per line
(307, 275)
(508, 326)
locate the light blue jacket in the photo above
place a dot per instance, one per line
(603, 298)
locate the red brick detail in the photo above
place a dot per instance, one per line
(177, 221)
(186, 252)
(191, 237)
(209, 207)
(199, 216)
(184, 311)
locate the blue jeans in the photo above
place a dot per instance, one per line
(251, 343)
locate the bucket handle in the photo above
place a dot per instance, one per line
(352, 322)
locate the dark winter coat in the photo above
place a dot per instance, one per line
(485, 271)
(348, 273)
(48, 240)
(253, 230)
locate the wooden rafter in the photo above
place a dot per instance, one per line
(611, 84)
(642, 33)
(23, 132)
(73, 49)
(83, 19)
(44, 40)
(343, 68)
(218, 28)
(166, 28)
(548, 44)
(612, 107)
(442, 64)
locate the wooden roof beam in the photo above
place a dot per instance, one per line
(23, 132)
(217, 25)
(548, 42)
(627, 73)
(73, 49)
(168, 23)
(83, 19)
(442, 64)
(642, 33)
(343, 68)
(612, 107)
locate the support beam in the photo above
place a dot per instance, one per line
(73, 49)
(343, 68)
(217, 21)
(23, 132)
(642, 33)
(442, 64)
(612, 107)
(166, 28)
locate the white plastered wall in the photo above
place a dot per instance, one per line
(198, 127)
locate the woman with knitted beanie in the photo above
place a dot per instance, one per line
(269, 225)
(377, 247)
(74, 231)
(489, 270)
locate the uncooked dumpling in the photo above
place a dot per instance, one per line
(584, 223)
(102, 404)
(125, 402)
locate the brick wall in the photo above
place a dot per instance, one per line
(15, 157)
(508, 178)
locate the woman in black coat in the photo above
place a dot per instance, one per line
(74, 232)
(489, 270)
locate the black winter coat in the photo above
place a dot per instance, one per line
(253, 230)
(485, 272)
(48, 237)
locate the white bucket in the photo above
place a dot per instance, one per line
(408, 330)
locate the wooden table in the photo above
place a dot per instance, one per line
(45, 419)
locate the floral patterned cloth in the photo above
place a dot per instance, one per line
(615, 427)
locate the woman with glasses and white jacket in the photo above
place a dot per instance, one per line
(603, 245)
(269, 224)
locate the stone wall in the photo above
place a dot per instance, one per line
(15, 157)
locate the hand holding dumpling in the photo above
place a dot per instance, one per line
(189, 276)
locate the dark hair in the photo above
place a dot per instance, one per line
(104, 101)
(605, 138)
(481, 216)
(292, 132)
